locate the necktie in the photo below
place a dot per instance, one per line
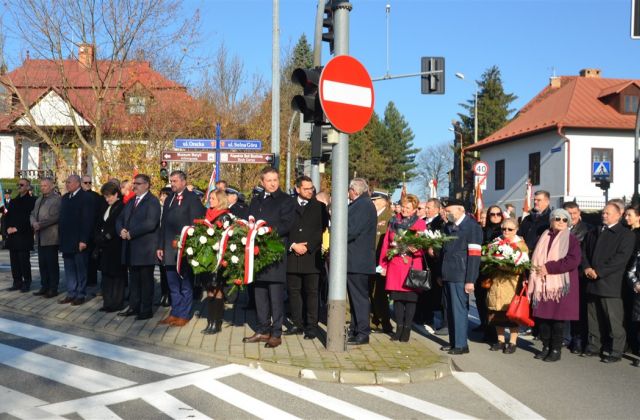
(303, 202)
(137, 202)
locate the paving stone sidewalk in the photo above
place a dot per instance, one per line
(382, 361)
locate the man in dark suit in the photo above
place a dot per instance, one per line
(279, 211)
(460, 260)
(75, 230)
(180, 209)
(137, 225)
(606, 254)
(100, 207)
(361, 258)
(19, 240)
(304, 259)
(377, 293)
(534, 224)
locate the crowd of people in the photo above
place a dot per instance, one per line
(583, 284)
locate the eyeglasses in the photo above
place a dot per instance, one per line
(561, 219)
(506, 229)
(421, 208)
(22, 185)
(139, 183)
(86, 182)
(495, 214)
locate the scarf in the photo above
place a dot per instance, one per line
(404, 223)
(552, 286)
(212, 214)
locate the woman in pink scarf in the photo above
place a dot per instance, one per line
(554, 284)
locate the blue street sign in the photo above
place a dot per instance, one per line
(225, 144)
(602, 169)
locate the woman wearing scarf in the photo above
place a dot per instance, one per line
(218, 214)
(397, 268)
(553, 283)
(503, 289)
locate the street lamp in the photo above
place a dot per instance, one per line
(475, 109)
(461, 156)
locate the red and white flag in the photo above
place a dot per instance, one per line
(479, 201)
(526, 207)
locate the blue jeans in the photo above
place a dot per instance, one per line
(457, 313)
(181, 290)
(75, 274)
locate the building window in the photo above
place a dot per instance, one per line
(534, 168)
(500, 174)
(601, 164)
(137, 105)
(630, 104)
(4, 100)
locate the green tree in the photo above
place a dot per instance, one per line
(365, 158)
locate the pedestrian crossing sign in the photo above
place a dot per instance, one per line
(602, 169)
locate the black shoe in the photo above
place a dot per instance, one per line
(575, 347)
(636, 363)
(406, 333)
(611, 359)
(356, 341)
(104, 309)
(459, 350)
(143, 317)
(509, 348)
(588, 352)
(553, 356)
(446, 348)
(51, 294)
(25, 289)
(164, 301)
(294, 331)
(311, 334)
(542, 354)
(128, 312)
(14, 288)
(41, 292)
(77, 302)
(499, 346)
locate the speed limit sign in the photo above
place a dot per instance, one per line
(480, 168)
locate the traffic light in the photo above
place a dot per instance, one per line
(308, 104)
(327, 22)
(432, 83)
(603, 184)
(635, 19)
(322, 140)
(164, 172)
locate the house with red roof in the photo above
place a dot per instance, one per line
(576, 129)
(105, 102)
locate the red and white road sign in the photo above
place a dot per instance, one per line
(346, 94)
(481, 168)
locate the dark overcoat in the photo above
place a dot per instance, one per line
(310, 222)
(76, 223)
(142, 223)
(279, 211)
(176, 215)
(533, 226)
(608, 252)
(108, 241)
(361, 236)
(461, 257)
(18, 216)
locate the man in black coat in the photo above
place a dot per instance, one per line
(100, 207)
(19, 240)
(534, 224)
(304, 259)
(607, 252)
(361, 258)
(75, 231)
(237, 206)
(137, 225)
(279, 211)
(180, 209)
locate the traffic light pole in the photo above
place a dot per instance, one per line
(336, 334)
(317, 62)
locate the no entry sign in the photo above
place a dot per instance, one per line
(346, 94)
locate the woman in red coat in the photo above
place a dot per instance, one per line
(397, 268)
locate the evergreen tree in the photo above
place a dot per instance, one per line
(365, 158)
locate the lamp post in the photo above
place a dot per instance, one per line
(475, 109)
(461, 156)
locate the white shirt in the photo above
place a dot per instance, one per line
(460, 220)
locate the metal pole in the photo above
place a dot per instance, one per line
(275, 86)
(461, 163)
(336, 336)
(475, 118)
(388, 11)
(288, 176)
(317, 61)
(636, 161)
(218, 130)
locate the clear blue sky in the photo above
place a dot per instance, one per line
(526, 39)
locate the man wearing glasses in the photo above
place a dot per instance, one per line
(75, 229)
(101, 206)
(19, 240)
(537, 222)
(138, 227)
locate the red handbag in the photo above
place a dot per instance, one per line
(519, 309)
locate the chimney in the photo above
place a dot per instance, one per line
(555, 82)
(590, 73)
(86, 54)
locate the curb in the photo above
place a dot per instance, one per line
(440, 369)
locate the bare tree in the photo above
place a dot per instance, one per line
(434, 163)
(115, 31)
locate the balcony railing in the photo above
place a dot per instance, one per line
(36, 173)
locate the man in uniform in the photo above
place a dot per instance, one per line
(377, 293)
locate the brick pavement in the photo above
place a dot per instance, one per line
(381, 361)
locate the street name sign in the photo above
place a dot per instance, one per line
(210, 157)
(246, 157)
(346, 94)
(225, 144)
(180, 156)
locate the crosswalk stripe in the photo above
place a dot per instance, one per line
(140, 359)
(416, 404)
(173, 407)
(98, 413)
(243, 401)
(34, 413)
(497, 397)
(17, 400)
(65, 373)
(330, 403)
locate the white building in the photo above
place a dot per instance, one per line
(574, 125)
